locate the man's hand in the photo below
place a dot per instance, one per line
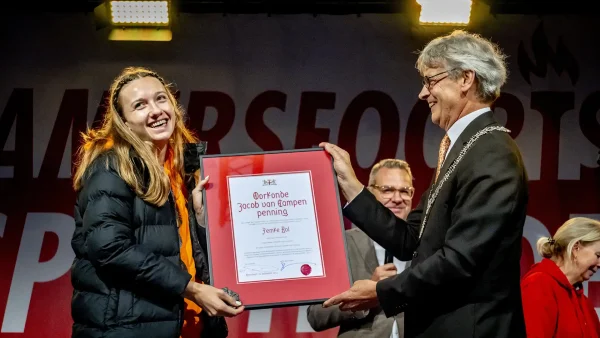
(349, 184)
(361, 296)
(215, 302)
(383, 272)
(198, 201)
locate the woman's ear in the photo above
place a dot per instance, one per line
(575, 249)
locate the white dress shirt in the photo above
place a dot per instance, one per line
(400, 266)
(459, 126)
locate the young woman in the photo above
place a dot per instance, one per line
(140, 270)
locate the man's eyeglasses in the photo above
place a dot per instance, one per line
(387, 191)
(428, 82)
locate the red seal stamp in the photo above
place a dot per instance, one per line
(305, 269)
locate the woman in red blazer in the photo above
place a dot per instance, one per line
(553, 301)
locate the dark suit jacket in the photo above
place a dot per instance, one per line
(464, 279)
(363, 261)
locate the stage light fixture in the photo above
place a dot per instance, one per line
(445, 12)
(140, 13)
(136, 20)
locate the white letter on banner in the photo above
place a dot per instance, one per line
(260, 320)
(303, 325)
(28, 269)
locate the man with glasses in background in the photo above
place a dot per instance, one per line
(390, 181)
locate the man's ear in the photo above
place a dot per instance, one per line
(468, 80)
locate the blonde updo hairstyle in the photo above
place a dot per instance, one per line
(576, 230)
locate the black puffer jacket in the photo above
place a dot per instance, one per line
(127, 275)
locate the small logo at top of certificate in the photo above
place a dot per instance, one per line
(269, 182)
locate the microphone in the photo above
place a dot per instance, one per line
(389, 258)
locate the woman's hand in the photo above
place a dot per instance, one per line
(198, 201)
(215, 302)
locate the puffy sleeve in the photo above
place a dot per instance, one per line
(107, 203)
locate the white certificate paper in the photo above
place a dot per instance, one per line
(275, 231)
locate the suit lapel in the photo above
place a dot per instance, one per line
(371, 256)
(367, 250)
(476, 125)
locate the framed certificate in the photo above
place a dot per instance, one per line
(274, 227)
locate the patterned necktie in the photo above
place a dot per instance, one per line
(444, 145)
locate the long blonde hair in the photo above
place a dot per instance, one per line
(581, 230)
(114, 134)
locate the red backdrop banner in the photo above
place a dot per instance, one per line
(253, 83)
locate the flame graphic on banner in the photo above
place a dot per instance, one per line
(543, 54)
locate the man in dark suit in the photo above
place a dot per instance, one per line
(390, 181)
(465, 235)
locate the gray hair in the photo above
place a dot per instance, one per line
(390, 163)
(463, 51)
(576, 230)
